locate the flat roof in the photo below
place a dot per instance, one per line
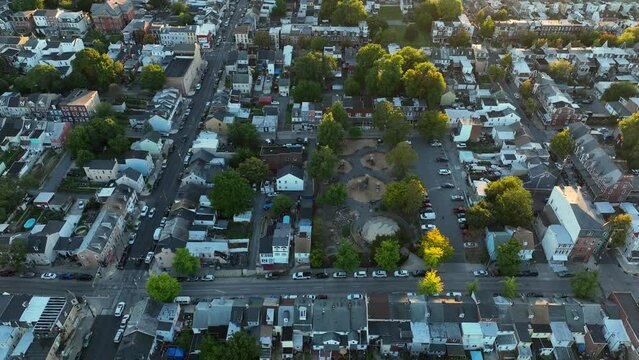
(178, 67)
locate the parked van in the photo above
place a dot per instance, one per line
(182, 300)
(156, 233)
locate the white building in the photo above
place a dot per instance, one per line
(282, 237)
(172, 35)
(290, 178)
(557, 244)
(630, 250)
(472, 337)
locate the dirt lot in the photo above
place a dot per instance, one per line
(352, 146)
(365, 189)
(375, 161)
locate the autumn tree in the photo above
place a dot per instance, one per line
(526, 89)
(435, 248)
(560, 70)
(561, 145)
(431, 284)
(426, 82)
(620, 225)
(404, 196)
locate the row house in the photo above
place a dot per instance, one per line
(338, 34)
(600, 173)
(360, 110)
(58, 22)
(111, 16)
(172, 35)
(442, 31)
(35, 105)
(56, 53)
(568, 207)
(305, 116)
(545, 28)
(630, 249)
(558, 107)
(509, 30)
(77, 107)
(22, 22)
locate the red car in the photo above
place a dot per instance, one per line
(458, 210)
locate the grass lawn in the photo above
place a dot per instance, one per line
(423, 39)
(390, 13)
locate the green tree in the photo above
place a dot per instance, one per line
(347, 258)
(401, 158)
(211, 349)
(530, 106)
(383, 111)
(375, 24)
(506, 62)
(159, 4)
(241, 154)
(348, 13)
(425, 82)
(620, 89)
(330, 132)
(97, 136)
(318, 43)
(561, 144)
(397, 128)
(327, 9)
(262, 39)
(431, 284)
(526, 89)
(424, 14)
(118, 146)
(352, 87)
(243, 134)
(41, 78)
(231, 193)
(585, 284)
(185, 264)
(339, 114)
(487, 28)
(481, 16)
(242, 346)
(162, 287)
(412, 32)
(461, 38)
(508, 258)
(94, 70)
(629, 149)
(322, 164)
(11, 194)
(254, 170)
(280, 9)
(411, 57)
(385, 77)
(404, 196)
(178, 7)
(335, 194)
(510, 287)
(366, 57)
(281, 205)
(479, 216)
(83, 157)
(387, 254)
(307, 91)
(449, 9)
(513, 208)
(620, 225)
(501, 15)
(561, 70)
(472, 287)
(13, 255)
(185, 19)
(435, 248)
(496, 73)
(314, 66)
(432, 124)
(317, 257)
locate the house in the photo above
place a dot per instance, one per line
(290, 178)
(183, 71)
(150, 142)
(630, 249)
(282, 238)
(242, 83)
(79, 106)
(467, 130)
(604, 179)
(557, 244)
(360, 110)
(138, 160)
(266, 124)
(163, 107)
(284, 86)
(442, 31)
(22, 22)
(131, 178)
(112, 16)
(305, 116)
(540, 179)
(558, 107)
(568, 207)
(243, 35)
(278, 156)
(173, 35)
(101, 171)
(337, 324)
(496, 236)
(629, 314)
(41, 243)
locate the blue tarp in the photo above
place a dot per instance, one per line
(476, 355)
(175, 353)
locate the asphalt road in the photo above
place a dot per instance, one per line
(101, 344)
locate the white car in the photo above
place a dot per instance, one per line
(453, 294)
(480, 273)
(302, 275)
(428, 227)
(461, 145)
(81, 204)
(125, 320)
(119, 309)
(456, 198)
(340, 275)
(428, 215)
(144, 211)
(163, 221)
(379, 274)
(48, 276)
(355, 296)
(152, 213)
(444, 172)
(461, 220)
(435, 144)
(208, 277)
(149, 257)
(118, 336)
(198, 86)
(360, 274)
(400, 273)
(471, 245)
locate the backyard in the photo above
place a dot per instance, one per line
(390, 13)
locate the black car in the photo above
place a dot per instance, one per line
(448, 186)
(84, 277)
(442, 159)
(271, 276)
(321, 275)
(565, 274)
(418, 273)
(526, 273)
(28, 275)
(6, 272)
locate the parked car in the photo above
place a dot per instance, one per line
(444, 172)
(125, 320)
(379, 274)
(321, 275)
(480, 273)
(144, 211)
(163, 221)
(456, 198)
(442, 159)
(84, 277)
(302, 275)
(471, 245)
(340, 275)
(355, 296)
(400, 273)
(435, 143)
(7, 273)
(461, 220)
(428, 227)
(458, 210)
(428, 215)
(271, 276)
(418, 273)
(448, 186)
(28, 275)
(565, 274)
(209, 277)
(461, 145)
(526, 273)
(87, 339)
(360, 274)
(149, 257)
(119, 309)
(268, 204)
(152, 213)
(81, 204)
(453, 294)
(48, 276)
(66, 276)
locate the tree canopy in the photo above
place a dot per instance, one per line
(339, 114)
(231, 193)
(314, 66)
(404, 196)
(432, 124)
(186, 264)
(560, 70)
(366, 56)
(307, 91)
(510, 287)
(13, 255)
(585, 284)
(101, 135)
(487, 28)
(507, 203)
(387, 254)
(431, 284)
(330, 132)
(94, 70)
(496, 73)
(347, 258)
(385, 77)
(254, 170)
(461, 38)
(411, 56)
(41, 78)
(262, 39)
(561, 144)
(243, 134)
(348, 13)
(449, 9)
(620, 89)
(335, 194)
(241, 346)
(620, 225)
(629, 149)
(401, 158)
(322, 164)
(152, 77)
(526, 89)
(162, 287)
(281, 205)
(508, 258)
(426, 82)
(435, 248)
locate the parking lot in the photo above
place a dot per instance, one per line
(101, 345)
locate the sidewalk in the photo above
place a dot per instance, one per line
(625, 265)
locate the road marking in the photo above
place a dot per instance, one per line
(220, 291)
